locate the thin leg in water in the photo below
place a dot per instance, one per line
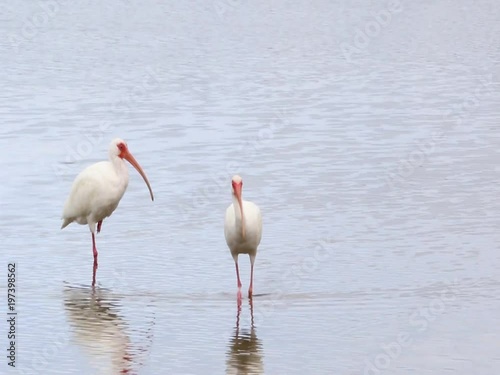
(239, 281)
(94, 249)
(250, 289)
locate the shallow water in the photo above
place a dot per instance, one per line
(373, 160)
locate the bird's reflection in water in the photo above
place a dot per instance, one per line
(100, 331)
(245, 349)
(94, 271)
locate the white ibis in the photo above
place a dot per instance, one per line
(243, 230)
(98, 189)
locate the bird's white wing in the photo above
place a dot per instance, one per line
(84, 190)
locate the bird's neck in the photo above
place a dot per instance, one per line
(120, 167)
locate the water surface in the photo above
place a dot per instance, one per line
(376, 172)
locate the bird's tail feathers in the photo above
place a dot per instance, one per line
(66, 222)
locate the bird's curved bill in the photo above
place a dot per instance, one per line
(128, 157)
(237, 192)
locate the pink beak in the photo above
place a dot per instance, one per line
(128, 157)
(237, 192)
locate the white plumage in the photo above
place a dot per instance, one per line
(242, 229)
(98, 189)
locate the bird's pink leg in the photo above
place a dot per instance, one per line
(94, 249)
(250, 289)
(99, 226)
(239, 281)
(238, 275)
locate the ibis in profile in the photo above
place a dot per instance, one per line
(98, 189)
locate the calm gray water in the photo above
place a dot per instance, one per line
(366, 131)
